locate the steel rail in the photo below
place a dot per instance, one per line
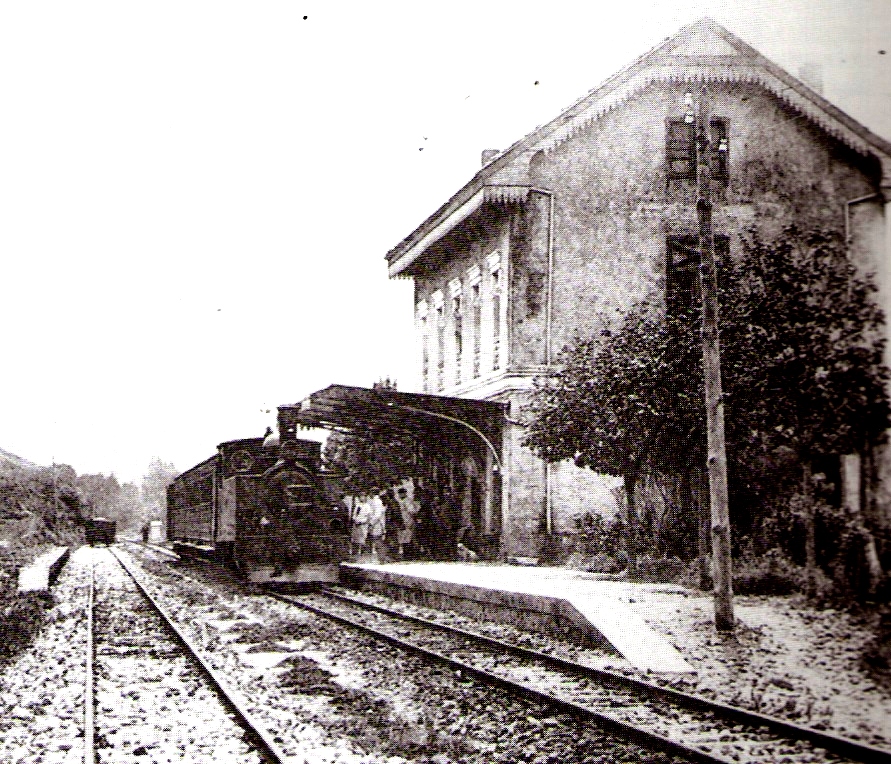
(837, 744)
(153, 548)
(608, 722)
(89, 685)
(230, 698)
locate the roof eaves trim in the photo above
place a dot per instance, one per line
(439, 229)
(442, 225)
(828, 117)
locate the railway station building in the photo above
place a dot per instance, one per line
(587, 215)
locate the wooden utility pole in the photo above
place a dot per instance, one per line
(711, 361)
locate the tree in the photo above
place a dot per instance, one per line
(625, 402)
(809, 372)
(371, 460)
(801, 353)
(153, 492)
(101, 494)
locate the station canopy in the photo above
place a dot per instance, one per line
(380, 410)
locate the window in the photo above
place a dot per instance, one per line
(494, 264)
(425, 348)
(474, 278)
(439, 305)
(477, 307)
(457, 326)
(680, 149)
(425, 354)
(496, 331)
(682, 285)
(720, 149)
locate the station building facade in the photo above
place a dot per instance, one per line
(566, 229)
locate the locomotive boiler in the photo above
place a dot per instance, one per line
(263, 509)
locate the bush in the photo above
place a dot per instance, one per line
(591, 534)
(20, 620)
(772, 573)
(603, 563)
(664, 570)
(554, 549)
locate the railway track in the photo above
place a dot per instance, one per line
(668, 720)
(150, 695)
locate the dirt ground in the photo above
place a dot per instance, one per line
(786, 658)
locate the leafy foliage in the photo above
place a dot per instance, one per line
(39, 507)
(803, 348)
(129, 504)
(802, 374)
(370, 462)
(625, 400)
(43, 506)
(153, 491)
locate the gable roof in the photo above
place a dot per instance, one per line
(699, 53)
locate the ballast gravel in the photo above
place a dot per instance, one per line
(152, 703)
(42, 689)
(333, 695)
(330, 696)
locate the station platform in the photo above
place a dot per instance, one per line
(558, 601)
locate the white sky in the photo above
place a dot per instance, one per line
(196, 197)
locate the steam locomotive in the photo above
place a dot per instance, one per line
(262, 507)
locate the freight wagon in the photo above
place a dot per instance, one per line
(101, 531)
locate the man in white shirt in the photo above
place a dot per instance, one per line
(377, 522)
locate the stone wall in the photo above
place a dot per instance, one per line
(614, 208)
(524, 497)
(614, 205)
(529, 282)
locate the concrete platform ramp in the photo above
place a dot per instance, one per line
(551, 600)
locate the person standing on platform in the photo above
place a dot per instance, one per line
(377, 522)
(359, 533)
(408, 509)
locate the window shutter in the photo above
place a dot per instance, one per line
(680, 149)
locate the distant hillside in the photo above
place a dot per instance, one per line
(8, 459)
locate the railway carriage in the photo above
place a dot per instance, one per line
(262, 509)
